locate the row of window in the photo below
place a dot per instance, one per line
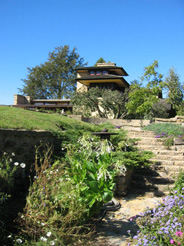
(98, 72)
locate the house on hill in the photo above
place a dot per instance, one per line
(103, 76)
(26, 102)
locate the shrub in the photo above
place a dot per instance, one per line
(167, 128)
(7, 174)
(164, 225)
(67, 193)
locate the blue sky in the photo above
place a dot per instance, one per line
(131, 33)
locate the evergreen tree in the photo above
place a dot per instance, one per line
(55, 79)
(174, 89)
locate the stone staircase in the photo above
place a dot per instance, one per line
(165, 164)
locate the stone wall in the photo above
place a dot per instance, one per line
(23, 143)
(177, 119)
(115, 122)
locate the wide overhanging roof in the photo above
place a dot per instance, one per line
(120, 70)
(119, 80)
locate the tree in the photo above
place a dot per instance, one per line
(100, 60)
(55, 79)
(105, 103)
(142, 98)
(174, 89)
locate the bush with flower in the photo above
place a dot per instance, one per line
(163, 225)
(8, 169)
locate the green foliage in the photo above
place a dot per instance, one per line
(174, 89)
(7, 173)
(142, 98)
(167, 128)
(180, 109)
(160, 110)
(104, 102)
(56, 77)
(179, 183)
(167, 131)
(164, 225)
(100, 60)
(133, 159)
(168, 142)
(90, 169)
(67, 193)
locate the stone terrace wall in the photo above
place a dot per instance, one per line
(23, 143)
(116, 122)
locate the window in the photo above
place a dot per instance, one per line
(98, 72)
(91, 73)
(105, 72)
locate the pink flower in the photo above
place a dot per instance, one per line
(179, 243)
(179, 233)
(171, 241)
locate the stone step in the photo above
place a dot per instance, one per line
(151, 147)
(140, 134)
(168, 152)
(159, 147)
(147, 140)
(169, 163)
(168, 157)
(174, 168)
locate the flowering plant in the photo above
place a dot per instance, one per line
(164, 225)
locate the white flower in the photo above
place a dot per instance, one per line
(52, 243)
(23, 165)
(16, 164)
(48, 234)
(44, 239)
(42, 224)
(10, 160)
(19, 241)
(9, 236)
(51, 172)
(13, 154)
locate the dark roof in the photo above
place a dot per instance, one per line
(103, 77)
(103, 68)
(42, 106)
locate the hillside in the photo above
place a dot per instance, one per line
(15, 118)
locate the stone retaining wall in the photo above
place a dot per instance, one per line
(116, 122)
(23, 143)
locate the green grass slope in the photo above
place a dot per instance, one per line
(16, 118)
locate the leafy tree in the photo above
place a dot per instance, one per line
(55, 78)
(174, 89)
(142, 98)
(105, 102)
(100, 60)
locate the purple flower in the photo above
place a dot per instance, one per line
(118, 127)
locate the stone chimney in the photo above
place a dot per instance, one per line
(108, 64)
(19, 99)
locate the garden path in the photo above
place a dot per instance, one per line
(112, 230)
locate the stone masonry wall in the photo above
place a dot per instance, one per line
(19, 99)
(116, 122)
(23, 143)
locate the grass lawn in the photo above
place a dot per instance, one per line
(16, 118)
